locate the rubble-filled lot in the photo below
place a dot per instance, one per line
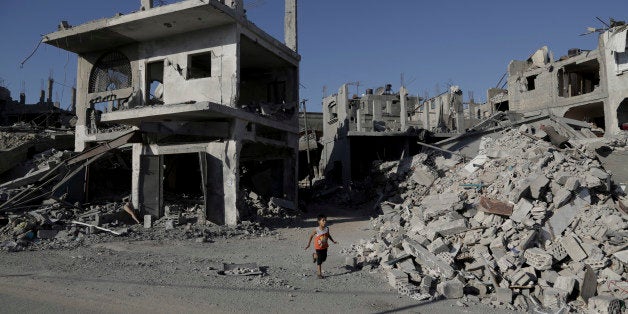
(524, 226)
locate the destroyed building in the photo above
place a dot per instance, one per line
(377, 126)
(45, 112)
(586, 85)
(214, 97)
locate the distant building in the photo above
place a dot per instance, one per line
(586, 85)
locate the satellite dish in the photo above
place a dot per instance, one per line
(380, 91)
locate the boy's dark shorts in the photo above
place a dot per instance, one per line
(321, 256)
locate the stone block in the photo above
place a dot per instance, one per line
(572, 184)
(423, 176)
(521, 210)
(451, 289)
(562, 197)
(426, 284)
(148, 221)
(446, 227)
(588, 286)
(438, 204)
(537, 186)
(427, 258)
(573, 248)
(604, 304)
(438, 246)
(598, 173)
(554, 298)
(566, 283)
(503, 295)
(396, 276)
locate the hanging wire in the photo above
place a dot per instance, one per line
(32, 53)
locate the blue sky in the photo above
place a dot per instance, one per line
(432, 43)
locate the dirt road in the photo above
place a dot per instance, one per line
(167, 276)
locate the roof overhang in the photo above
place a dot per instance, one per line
(158, 22)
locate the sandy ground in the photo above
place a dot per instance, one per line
(181, 276)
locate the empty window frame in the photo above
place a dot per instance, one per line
(530, 82)
(199, 65)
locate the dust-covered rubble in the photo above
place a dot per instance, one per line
(524, 225)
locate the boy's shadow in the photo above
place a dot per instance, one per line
(348, 269)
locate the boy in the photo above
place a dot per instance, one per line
(320, 243)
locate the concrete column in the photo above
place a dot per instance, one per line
(403, 114)
(426, 115)
(135, 175)
(377, 111)
(73, 100)
(290, 25)
(50, 82)
(222, 195)
(290, 173)
(359, 120)
(146, 4)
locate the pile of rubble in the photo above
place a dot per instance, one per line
(10, 140)
(58, 225)
(524, 225)
(258, 206)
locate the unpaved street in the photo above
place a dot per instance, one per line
(181, 276)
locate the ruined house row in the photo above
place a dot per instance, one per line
(589, 86)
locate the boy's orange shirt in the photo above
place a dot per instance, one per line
(320, 242)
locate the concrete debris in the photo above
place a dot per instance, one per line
(531, 227)
(248, 269)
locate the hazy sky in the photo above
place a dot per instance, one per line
(432, 43)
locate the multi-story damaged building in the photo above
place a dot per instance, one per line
(214, 96)
(586, 85)
(357, 130)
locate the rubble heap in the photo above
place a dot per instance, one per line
(523, 225)
(10, 140)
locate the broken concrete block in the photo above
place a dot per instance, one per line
(427, 258)
(503, 295)
(496, 207)
(563, 216)
(476, 163)
(169, 224)
(572, 184)
(47, 234)
(396, 276)
(351, 262)
(549, 276)
(562, 197)
(622, 256)
(598, 173)
(554, 298)
(537, 186)
(447, 227)
(557, 250)
(573, 248)
(588, 286)
(148, 221)
(423, 176)
(565, 283)
(521, 210)
(279, 202)
(438, 246)
(538, 258)
(451, 289)
(604, 304)
(439, 204)
(426, 284)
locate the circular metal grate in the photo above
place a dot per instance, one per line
(112, 71)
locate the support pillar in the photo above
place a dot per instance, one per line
(223, 162)
(290, 25)
(403, 114)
